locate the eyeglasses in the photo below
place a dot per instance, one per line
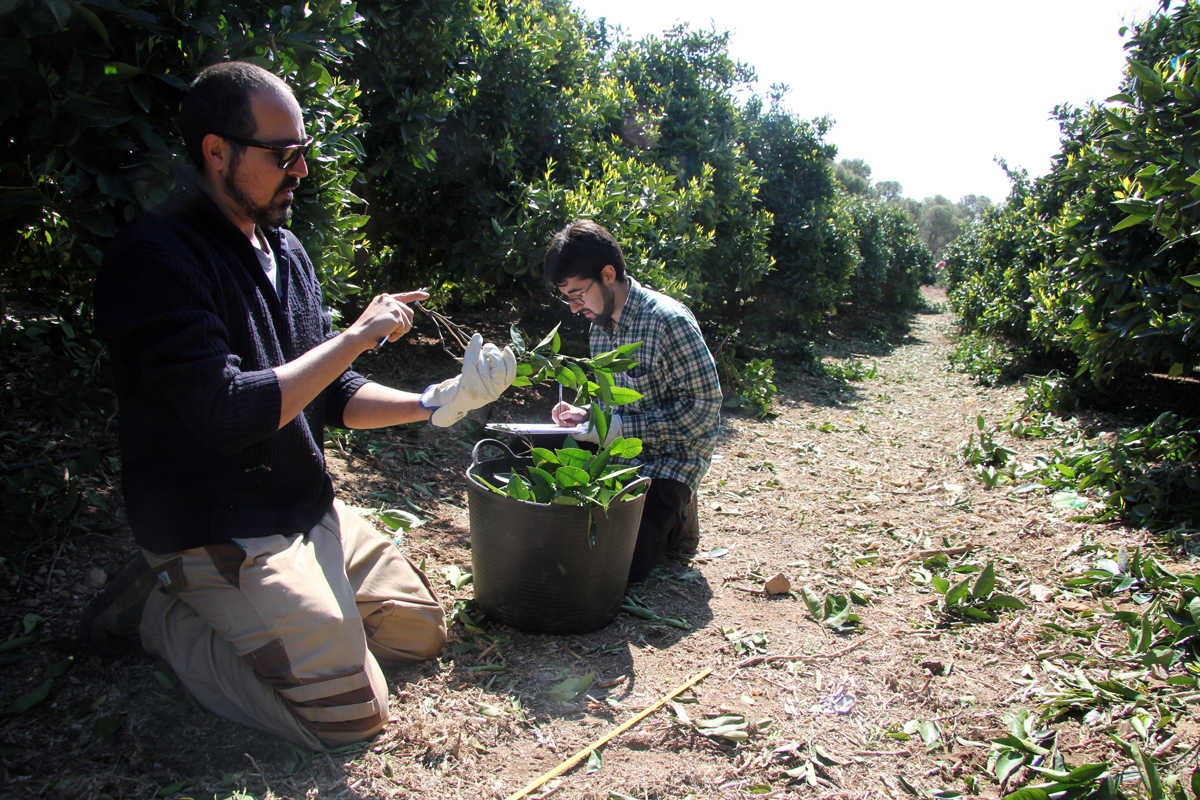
(289, 154)
(575, 297)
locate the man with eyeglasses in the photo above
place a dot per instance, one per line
(678, 417)
(272, 601)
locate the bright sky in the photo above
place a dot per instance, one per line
(928, 92)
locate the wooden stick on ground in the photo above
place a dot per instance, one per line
(606, 738)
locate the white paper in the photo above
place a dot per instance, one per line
(536, 428)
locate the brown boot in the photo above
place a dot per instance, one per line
(110, 622)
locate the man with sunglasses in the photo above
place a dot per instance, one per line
(272, 601)
(678, 416)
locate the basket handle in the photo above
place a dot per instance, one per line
(482, 442)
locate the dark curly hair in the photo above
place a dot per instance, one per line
(581, 249)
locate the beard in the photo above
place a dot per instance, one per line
(605, 318)
(271, 215)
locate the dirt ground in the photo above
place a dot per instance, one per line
(848, 492)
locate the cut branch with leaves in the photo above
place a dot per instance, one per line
(572, 475)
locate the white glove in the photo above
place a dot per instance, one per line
(592, 436)
(487, 371)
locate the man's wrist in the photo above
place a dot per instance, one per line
(359, 342)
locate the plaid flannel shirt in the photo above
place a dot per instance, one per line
(678, 417)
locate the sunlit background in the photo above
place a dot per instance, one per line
(928, 93)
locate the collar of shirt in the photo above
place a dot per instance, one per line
(635, 298)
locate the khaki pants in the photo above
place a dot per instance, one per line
(283, 633)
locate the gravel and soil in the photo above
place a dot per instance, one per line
(849, 492)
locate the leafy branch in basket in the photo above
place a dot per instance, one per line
(591, 378)
(572, 475)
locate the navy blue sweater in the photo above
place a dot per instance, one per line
(194, 328)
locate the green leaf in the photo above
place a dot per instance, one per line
(599, 421)
(1135, 205)
(603, 497)
(1028, 793)
(399, 519)
(491, 486)
(518, 489)
(984, 583)
(574, 457)
(617, 472)
(626, 448)
(565, 690)
(1144, 73)
(813, 602)
(623, 395)
(958, 593)
(580, 376)
(604, 387)
(976, 613)
(1148, 771)
(551, 339)
(542, 483)
(569, 476)
(121, 70)
(1086, 773)
(518, 340)
(1006, 764)
(1191, 280)
(596, 466)
(999, 600)
(606, 359)
(732, 727)
(837, 613)
(1130, 221)
(566, 377)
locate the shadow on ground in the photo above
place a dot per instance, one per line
(549, 674)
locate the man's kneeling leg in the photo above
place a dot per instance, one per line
(266, 632)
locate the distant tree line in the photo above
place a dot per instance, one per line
(939, 221)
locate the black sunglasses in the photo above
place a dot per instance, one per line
(289, 154)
